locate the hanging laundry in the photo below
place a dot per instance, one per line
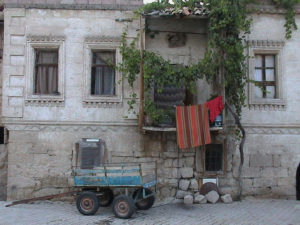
(192, 126)
(215, 107)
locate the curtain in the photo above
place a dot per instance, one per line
(103, 75)
(46, 79)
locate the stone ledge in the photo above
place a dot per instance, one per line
(44, 102)
(101, 104)
(75, 6)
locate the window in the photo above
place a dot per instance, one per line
(103, 73)
(46, 72)
(265, 69)
(265, 77)
(214, 158)
(102, 89)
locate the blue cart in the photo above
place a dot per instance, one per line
(136, 183)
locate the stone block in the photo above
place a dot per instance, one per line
(18, 12)
(188, 162)
(178, 163)
(180, 194)
(12, 112)
(194, 185)
(17, 40)
(172, 155)
(188, 200)
(16, 81)
(264, 182)
(186, 172)
(184, 185)
(17, 30)
(212, 197)
(15, 101)
(200, 199)
(17, 50)
(165, 192)
(261, 160)
(81, 1)
(16, 70)
(168, 163)
(16, 60)
(172, 182)
(250, 172)
(14, 92)
(276, 160)
(226, 198)
(274, 172)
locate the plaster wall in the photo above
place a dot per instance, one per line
(272, 147)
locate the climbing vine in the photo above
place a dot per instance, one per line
(290, 23)
(158, 73)
(224, 63)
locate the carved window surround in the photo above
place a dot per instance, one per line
(101, 43)
(267, 47)
(44, 42)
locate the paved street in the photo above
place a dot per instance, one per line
(250, 212)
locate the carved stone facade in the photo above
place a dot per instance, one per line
(43, 130)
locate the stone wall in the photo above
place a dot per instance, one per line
(43, 134)
(75, 4)
(3, 172)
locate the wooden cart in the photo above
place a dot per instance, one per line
(136, 183)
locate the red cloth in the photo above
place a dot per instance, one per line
(192, 126)
(215, 107)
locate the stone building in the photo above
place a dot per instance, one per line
(43, 119)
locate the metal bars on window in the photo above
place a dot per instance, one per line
(265, 76)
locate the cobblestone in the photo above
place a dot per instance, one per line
(247, 212)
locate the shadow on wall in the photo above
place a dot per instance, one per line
(298, 182)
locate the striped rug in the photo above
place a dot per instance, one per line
(192, 126)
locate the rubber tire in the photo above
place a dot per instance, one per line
(123, 199)
(91, 196)
(108, 193)
(145, 203)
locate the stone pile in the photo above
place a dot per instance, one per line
(188, 191)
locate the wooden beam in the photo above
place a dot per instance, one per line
(141, 106)
(25, 201)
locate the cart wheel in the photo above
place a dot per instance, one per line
(106, 198)
(143, 204)
(87, 203)
(123, 206)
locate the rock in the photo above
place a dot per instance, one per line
(194, 185)
(200, 199)
(188, 200)
(207, 187)
(165, 192)
(186, 172)
(212, 197)
(184, 185)
(226, 198)
(180, 194)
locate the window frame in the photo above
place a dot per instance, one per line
(266, 48)
(50, 43)
(94, 44)
(36, 65)
(103, 66)
(224, 155)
